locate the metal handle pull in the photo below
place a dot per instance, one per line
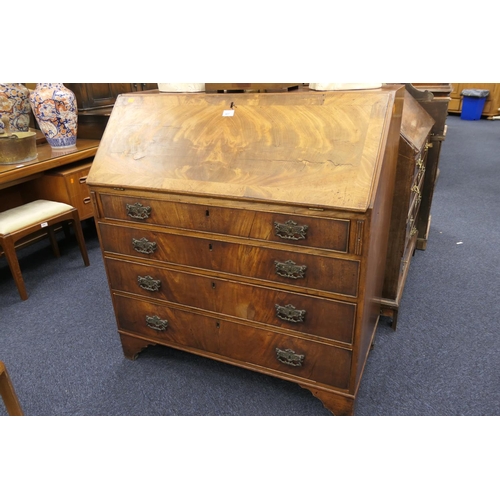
(83, 180)
(289, 357)
(289, 269)
(86, 201)
(290, 313)
(290, 230)
(156, 323)
(144, 246)
(138, 211)
(149, 283)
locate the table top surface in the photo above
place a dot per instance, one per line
(47, 158)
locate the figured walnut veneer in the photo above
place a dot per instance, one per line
(251, 228)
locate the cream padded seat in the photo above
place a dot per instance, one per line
(40, 215)
(31, 213)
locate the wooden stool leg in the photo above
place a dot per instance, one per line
(67, 232)
(80, 238)
(8, 394)
(53, 241)
(11, 256)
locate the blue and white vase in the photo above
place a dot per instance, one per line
(15, 105)
(56, 113)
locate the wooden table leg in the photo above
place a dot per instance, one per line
(8, 394)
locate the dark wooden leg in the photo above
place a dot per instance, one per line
(53, 242)
(77, 226)
(392, 313)
(132, 346)
(8, 394)
(9, 248)
(67, 232)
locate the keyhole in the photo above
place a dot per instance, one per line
(213, 286)
(210, 246)
(207, 213)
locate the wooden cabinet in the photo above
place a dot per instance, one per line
(434, 98)
(90, 96)
(68, 185)
(251, 228)
(95, 102)
(491, 105)
(414, 144)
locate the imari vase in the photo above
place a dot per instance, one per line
(15, 105)
(55, 110)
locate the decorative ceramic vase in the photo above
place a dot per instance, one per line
(55, 110)
(15, 104)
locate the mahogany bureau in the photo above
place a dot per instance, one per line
(251, 228)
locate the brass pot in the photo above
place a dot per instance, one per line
(18, 146)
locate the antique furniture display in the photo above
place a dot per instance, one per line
(26, 182)
(251, 228)
(414, 144)
(491, 106)
(18, 181)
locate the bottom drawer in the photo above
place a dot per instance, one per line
(309, 360)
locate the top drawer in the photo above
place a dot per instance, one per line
(317, 232)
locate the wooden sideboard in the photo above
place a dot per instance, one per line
(251, 228)
(491, 105)
(41, 178)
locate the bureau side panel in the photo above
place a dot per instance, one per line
(375, 251)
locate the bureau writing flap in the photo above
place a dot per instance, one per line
(320, 149)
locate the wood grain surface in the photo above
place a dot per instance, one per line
(269, 149)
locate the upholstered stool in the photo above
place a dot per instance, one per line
(19, 222)
(8, 394)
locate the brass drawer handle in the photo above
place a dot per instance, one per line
(149, 283)
(289, 357)
(156, 323)
(290, 230)
(289, 269)
(290, 313)
(144, 246)
(138, 211)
